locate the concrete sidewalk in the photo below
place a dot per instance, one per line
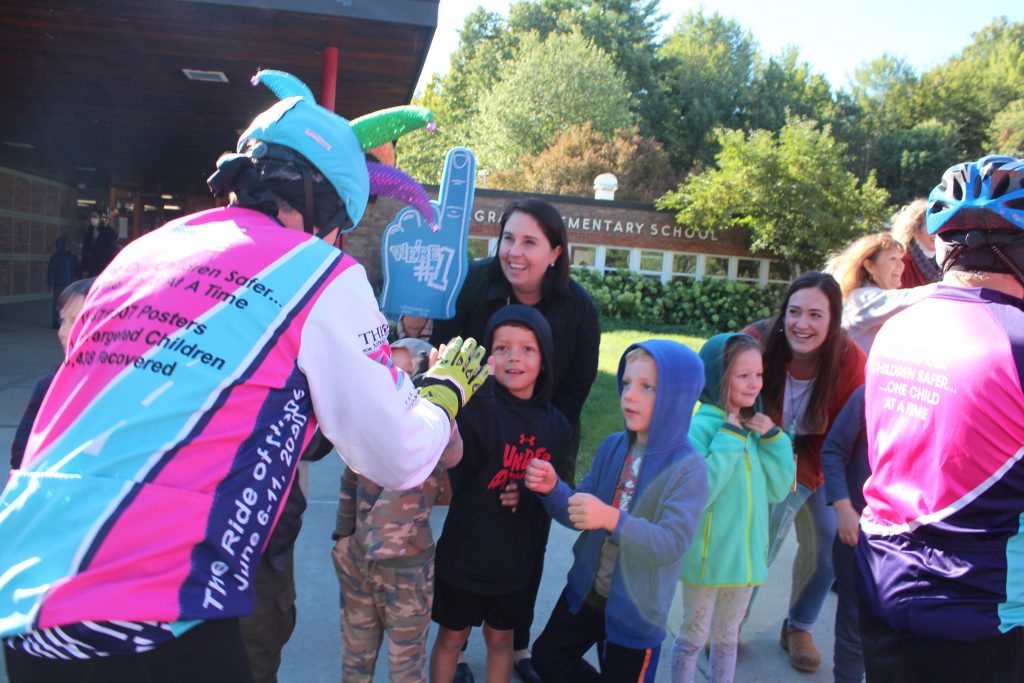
(29, 349)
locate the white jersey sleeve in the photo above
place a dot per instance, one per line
(365, 406)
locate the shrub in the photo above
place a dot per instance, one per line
(701, 307)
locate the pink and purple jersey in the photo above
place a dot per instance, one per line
(942, 550)
(162, 453)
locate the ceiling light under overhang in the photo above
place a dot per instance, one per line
(19, 145)
(206, 76)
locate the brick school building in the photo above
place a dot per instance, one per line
(603, 235)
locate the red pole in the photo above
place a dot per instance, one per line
(329, 83)
(328, 86)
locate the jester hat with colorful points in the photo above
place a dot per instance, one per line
(332, 145)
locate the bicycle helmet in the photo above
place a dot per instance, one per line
(299, 148)
(977, 211)
(312, 158)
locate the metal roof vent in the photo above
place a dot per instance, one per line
(207, 76)
(605, 186)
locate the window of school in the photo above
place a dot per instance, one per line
(582, 255)
(479, 247)
(652, 264)
(684, 265)
(716, 266)
(779, 271)
(616, 259)
(748, 269)
(667, 266)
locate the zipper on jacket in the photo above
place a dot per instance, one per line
(704, 550)
(750, 501)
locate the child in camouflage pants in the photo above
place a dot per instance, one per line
(384, 556)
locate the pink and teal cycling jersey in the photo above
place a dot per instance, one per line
(204, 357)
(942, 546)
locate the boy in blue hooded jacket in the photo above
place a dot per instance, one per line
(638, 508)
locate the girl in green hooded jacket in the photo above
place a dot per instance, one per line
(750, 464)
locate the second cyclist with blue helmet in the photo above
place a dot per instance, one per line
(941, 552)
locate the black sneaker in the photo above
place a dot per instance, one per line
(463, 674)
(524, 667)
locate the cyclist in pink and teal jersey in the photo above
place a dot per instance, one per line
(205, 356)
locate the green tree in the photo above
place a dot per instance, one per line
(1006, 134)
(882, 91)
(707, 66)
(911, 162)
(627, 30)
(485, 43)
(992, 65)
(791, 191)
(550, 85)
(785, 86)
(970, 89)
(579, 154)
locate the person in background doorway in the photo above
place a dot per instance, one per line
(99, 243)
(61, 271)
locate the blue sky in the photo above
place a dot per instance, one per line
(834, 37)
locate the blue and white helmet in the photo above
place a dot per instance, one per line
(992, 184)
(978, 211)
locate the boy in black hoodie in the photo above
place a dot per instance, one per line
(495, 529)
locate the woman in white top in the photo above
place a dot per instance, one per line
(869, 272)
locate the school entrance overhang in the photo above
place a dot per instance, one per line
(94, 92)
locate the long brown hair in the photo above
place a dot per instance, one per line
(777, 355)
(847, 266)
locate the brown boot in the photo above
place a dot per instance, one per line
(803, 656)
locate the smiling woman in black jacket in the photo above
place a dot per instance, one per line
(532, 268)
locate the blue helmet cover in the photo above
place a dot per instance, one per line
(987, 193)
(320, 135)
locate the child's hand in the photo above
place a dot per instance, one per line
(510, 496)
(588, 512)
(847, 521)
(760, 423)
(540, 477)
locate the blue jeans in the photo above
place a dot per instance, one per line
(848, 660)
(812, 569)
